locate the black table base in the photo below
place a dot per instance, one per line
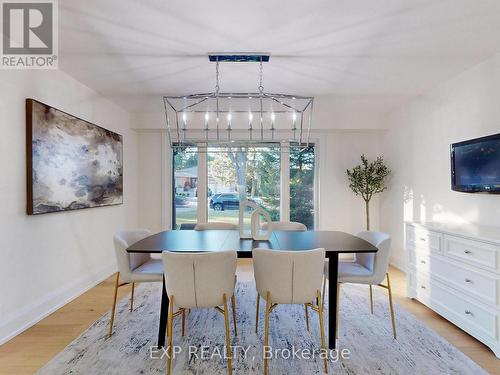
(332, 300)
(162, 328)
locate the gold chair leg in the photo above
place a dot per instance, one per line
(228, 339)
(371, 299)
(307, 317)
(257, 314)
(170, 333)
(113, 308)
(322, 331)
(132, 297)
(266, 334)
(324, 289)
(338, 310)
(233, 307)
(393, 320)
(183, 322)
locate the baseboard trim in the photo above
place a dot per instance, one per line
(399, 265)
(28, 316)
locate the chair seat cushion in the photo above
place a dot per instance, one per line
(352, 272)
(326, 270)
(152, 270)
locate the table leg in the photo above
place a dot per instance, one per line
(163, 316)
(332, 299)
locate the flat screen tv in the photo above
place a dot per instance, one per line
(475, 165)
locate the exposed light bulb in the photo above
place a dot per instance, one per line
(250, 116)
(272, 116)
(229, 117)
(294, 116)
(184, 117)
(207, 117)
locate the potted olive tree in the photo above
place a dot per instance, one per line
(368, 178)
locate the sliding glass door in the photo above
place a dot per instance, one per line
(264, 175)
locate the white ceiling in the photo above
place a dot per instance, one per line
(383, 51)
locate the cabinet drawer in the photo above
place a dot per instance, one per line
(462, 278)
(473, 252)
(423, 238)
(420, 258)
(451, 306)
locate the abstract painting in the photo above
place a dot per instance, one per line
(71, 163)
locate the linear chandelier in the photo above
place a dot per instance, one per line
(238, 119)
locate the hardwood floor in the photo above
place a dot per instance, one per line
(33, 348)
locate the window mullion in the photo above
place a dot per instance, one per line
(285, 182)
(202, 190)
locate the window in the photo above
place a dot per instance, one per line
(230, 174)
(185, 184)
(302, 186)
(242, 173)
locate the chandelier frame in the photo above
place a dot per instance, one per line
(265, 106)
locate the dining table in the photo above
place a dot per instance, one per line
(334, 242)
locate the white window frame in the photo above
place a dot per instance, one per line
(284, 182)
(202, 207)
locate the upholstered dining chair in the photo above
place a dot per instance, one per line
(133, 268)
(216, 225)
(286, 226)
(200, 280)
(368, 268)
(289, 277)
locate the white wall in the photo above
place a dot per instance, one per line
(339, 208)
(154, 175)
(417, 146)
(47, 260)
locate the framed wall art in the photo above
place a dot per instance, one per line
(71, 163)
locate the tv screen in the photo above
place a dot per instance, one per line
(475, 165)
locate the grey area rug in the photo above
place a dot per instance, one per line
(418, 349)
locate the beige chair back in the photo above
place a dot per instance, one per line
(377, 262)
(291, 277)
(199, 280)
(215, 225)
(127, 262)
(286, 226)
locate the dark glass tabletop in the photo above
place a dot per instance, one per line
(217, 240)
